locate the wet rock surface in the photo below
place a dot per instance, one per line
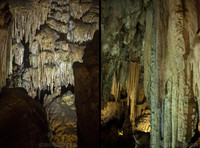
(23, 121)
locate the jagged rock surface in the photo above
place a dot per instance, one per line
(5, 49)
(40, 41)
(163, 38)
(64, 126)
(123, 29)
(173, 78)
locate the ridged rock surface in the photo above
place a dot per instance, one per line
(122, 80)
(163, 38)
(174, 76)
(40, 41)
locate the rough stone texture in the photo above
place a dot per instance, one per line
(39, 45)
(55, 45)
(163, 37)
(131, 97)
(87, 95)
(109, 112)
(123, 27)
(173, 76)
(23, 121)
(64, 126)
(122, 80)
(5, 49)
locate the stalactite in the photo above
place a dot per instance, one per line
(132, 90)
(171, 74)
(115, 88)
(26, 22)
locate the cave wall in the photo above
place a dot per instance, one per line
(123, 26)
(53, 35)
(40, 41)
(5, 49)
(174, 73)
(163, 38)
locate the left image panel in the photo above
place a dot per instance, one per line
(49, 73)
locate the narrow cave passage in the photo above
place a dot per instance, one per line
(40, 42)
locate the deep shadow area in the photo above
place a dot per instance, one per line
(41, 94)
(117, 132)
(86, 88)
(65, 89)
(26, 54)
(23, 122)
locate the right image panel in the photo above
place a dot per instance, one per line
(150, 73)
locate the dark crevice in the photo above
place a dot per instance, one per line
(79, 21)
(26, 54)
(57, 10)
(123, 95)
(195, 137)
(63, 37)
(41, 94)
(65, 89)
(57, 21)
(142, 102)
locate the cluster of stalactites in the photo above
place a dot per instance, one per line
(25, 23)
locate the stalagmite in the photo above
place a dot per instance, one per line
(115, 89)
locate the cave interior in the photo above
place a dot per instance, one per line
(49, 65)
(150, 73)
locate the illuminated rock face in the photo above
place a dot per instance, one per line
(54, 40)
(61, 114)
(123, 103)
(174, 76)
(164, 41)
(123, 30)
(41, 42)
(123, 27)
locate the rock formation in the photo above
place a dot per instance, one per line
(86, 76)
(173, 78)
(123, 34)
(23, 121)
(162, 37)
(40, 41)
